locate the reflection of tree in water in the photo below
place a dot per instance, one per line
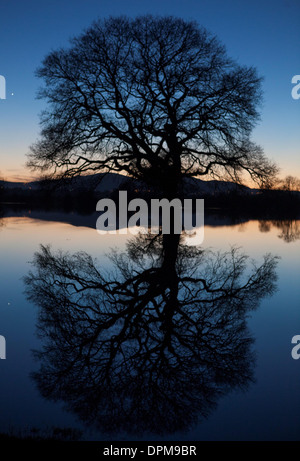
(265, 226)
(290, 228)
(152, 345)
(1, 218)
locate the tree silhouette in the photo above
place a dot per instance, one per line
(289, 183)
(156, 97)
(151, 345)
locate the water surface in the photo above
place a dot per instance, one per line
(267, 409)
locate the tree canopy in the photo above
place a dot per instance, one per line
(155, 97)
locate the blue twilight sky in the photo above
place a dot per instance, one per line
(263, 33)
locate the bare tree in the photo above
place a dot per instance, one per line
(156, 97)
(290, 183)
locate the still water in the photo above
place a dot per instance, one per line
(246, 389)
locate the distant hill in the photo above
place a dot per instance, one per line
(214, 187)
(109, 182)
(14, 185)
(100, 182)
(82, 193)
(84, 188)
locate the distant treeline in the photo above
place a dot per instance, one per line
(262, 205)
(259, 203)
